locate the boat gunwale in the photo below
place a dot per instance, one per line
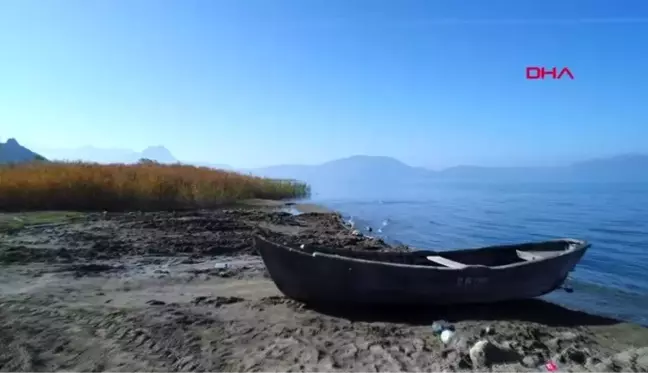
(573, 245)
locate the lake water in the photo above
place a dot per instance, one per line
(611, 279)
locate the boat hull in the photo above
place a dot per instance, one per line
(321, 277)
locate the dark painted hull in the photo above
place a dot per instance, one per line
(317, 277)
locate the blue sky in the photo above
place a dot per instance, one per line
(259, 82)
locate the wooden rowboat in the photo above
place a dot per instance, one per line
(481, 275)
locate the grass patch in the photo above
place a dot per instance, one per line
(14, 222)
(144, 186)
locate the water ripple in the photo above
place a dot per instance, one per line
(614, 218)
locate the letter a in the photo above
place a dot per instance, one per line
(565, 70)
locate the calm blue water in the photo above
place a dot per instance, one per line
(612, 278)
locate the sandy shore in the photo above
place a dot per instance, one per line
(187, 292)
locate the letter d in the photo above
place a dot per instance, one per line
(533, 73)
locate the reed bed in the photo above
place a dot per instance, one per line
(145, 186)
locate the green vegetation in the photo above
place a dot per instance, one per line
(146, 186)
(13, 222)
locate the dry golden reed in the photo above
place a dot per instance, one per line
(120, 187)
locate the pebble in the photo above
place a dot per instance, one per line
(576, 355)
(592, 361)
(531, 361)
(489, 330)
(553, 343)
(572, 355)
(567, 336)
(477, 354)
(485, 353)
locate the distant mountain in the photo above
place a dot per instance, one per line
(13, 152)
(351, 168)
(159, 154)
(622, 167)
(368, 174)
(352, 175)
(114, 155)
(633, 167)
(381, 175)
(118, 155)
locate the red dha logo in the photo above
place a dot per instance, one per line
(533, 72)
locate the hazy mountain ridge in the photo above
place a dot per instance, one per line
(363, 171)
(159, 154)
(12, 152)
(156, 153)
(619, 168)
(113, 155)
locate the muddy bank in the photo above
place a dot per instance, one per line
(187, 292)
(200, 233)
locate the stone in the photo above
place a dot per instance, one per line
(553, 344)
(477, 354)
(572, 355)
(532, 361)
(485, 353)
(575, 355)
(634, 358)
(592, 360)
(567, 336)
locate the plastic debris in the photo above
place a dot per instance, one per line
(551, 366)
(437, 328)
(446, 336)
(443, 329)
(441, 325)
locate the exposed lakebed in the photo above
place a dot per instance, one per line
(187, 292)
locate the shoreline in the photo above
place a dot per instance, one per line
(575, 306)
(186, 291)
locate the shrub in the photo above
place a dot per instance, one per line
(144, 186)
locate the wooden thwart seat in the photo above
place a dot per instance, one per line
(536, 255)
(446, 262)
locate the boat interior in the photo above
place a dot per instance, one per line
(491, 256)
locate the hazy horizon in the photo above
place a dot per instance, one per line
(431, 165)
(83, 152)
(256, 83)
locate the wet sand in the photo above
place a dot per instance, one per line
(187, 292)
